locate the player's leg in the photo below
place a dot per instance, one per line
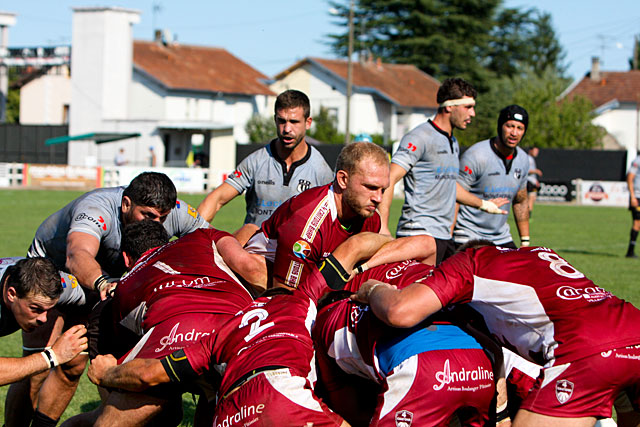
(130, 409)
(22, 396)
(526, 418)
(635, 228)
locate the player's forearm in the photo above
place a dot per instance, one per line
(521, 216)
(209, 207)
(84, 266)
(414, 247)
(384, 209)
(13, 369)
(466, 198)
(136, 375)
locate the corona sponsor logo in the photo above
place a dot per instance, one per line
(590, 293)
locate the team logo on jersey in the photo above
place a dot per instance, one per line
(301, 249)
(237, 174)
(606, 354)
(72, 281)
(356, 313)
(191, 211)
(517, 173)
(468, 170)
(564, 390)
(303, 185)
(100, 222)
(411, 147)
(404, 418)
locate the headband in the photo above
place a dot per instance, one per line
(459, 101)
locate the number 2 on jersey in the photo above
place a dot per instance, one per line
(259, 314)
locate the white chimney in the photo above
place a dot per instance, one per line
(595, 69)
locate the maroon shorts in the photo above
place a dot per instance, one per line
(173, 334)
(427, 389)
(274, 398)
(587, 387)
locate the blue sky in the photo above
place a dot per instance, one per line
(272, 35)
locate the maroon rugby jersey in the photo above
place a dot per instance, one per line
(182, 276)
(537, 304)
(304, 230)
(271, 331)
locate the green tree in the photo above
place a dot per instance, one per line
(553, 123)
(260, 128)
(325, 128)
(12, 114)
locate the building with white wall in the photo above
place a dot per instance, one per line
(616, 97)
(387, 99)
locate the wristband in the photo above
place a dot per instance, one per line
(524, 241)
(101, 282)
(375, 285)
(502, 413)
(50, 357)
(361, 268)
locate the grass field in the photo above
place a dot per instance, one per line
(593, 239)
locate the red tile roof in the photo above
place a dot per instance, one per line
(623, 86)
(199, 68)
(405, 85)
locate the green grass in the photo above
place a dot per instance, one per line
(593, 239)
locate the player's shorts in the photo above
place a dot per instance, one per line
(274, 398)
(430, 388)
(174, 334)
(589, 386)
(635, 212)
(444, 249)
(531, 188)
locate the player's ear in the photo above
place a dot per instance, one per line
(342, 179)
(12, 295)
(128, 260)
(126, 204)
(308, 122)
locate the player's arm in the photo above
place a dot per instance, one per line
(521, 215)
(396, 173)
(215, 200)
(400, 308)
(491, 206)
(66, 347)
(252, 267)
(82, 249)
(633, 200)
(135, 375)
(244, 233)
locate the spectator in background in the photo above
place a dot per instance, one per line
(152, 157)
(533, 183)
(633, 182)
(120, 159)
(283, 168)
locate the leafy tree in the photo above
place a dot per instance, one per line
(260, 128)
(325, 128)
(565, 123)
(12, 114)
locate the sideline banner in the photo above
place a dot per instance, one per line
(61, 177)
(186, 180)
(603, 193)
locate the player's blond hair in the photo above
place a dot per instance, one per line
(353, 154)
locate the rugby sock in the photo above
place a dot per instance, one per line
(632, 242)
(41, 420)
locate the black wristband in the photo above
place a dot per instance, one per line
(502, 415)
(334, 274)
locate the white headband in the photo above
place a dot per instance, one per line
(459, 101)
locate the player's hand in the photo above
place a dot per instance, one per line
(634, 202)
(366, 289)
(70, 344)
(99, 367)
(493, 206)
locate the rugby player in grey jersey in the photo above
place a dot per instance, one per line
(83, 238)
(633, 183)
(494, 168)
(286, 166)
(427, 161)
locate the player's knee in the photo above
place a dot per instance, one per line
(74, 368)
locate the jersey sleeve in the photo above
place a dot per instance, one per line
(242, 178)
(452, 281)
(469, 170)
(411, 149)
(90, 218)
(635, 166)
(183, 219)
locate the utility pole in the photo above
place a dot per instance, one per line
(347, 133)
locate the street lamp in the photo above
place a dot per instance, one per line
(347, 134)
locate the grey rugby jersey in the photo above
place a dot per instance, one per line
(430, 158)
(635, 169)
(98, 213)
(262, 175)
(486, 175)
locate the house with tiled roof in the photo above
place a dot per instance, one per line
(387, 99)
(616, 98)
(152, 94)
